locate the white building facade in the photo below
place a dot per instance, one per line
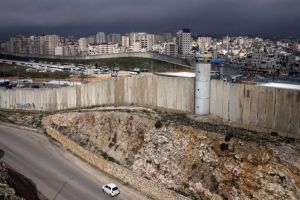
(100, 38)
(82, 45)
(184, 42)
(171, 49)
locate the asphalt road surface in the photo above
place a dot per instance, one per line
(57, 173)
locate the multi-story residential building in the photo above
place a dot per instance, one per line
(51, 41)
(30, 45)
(18, 44)
(58, 51)
(184, 40)
(169, 37)
(91, 39)
(150, 42)
(137, 47)
(268, 63)
(145, 41)
(142, 38)
(204, 43)
(125, 41)
(158, 39)
(132, 38)
(82, 45)
(70, 50)
(92, 49)
(114, 38)
(3, 46)
(106, 48)
(171, 49)
(39, 45)
(103, 49)
(14, 45)
(100, 38)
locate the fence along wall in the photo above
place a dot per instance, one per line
(256, 106)
(151, 91)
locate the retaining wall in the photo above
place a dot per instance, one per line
(150, 188)
(257, 106)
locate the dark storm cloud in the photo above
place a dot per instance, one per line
(262, 17)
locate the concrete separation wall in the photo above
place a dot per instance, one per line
(257, 106)
(150, 188)
(248, 106)
(150, 91)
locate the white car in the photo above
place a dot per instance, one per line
(111, 189)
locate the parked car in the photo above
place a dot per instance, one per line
(111, 189)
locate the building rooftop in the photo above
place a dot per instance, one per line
(282, 85)
(177, 74)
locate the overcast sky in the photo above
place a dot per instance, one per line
(84, 17)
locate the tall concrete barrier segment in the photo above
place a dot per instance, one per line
(151, 91)
(257, 106)
(150, 55)
(242, 104)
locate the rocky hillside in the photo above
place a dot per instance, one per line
(193, 161)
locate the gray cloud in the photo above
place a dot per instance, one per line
(262, 17)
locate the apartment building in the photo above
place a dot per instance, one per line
(171, 49)
(184, 42)
(51, 41)
(125, 41)
(114, 38)
(82, 45)
(100, 38)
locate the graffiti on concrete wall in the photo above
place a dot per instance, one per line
(24, 106)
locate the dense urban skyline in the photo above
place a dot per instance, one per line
(274, 18)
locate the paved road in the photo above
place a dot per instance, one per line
(57, 174)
